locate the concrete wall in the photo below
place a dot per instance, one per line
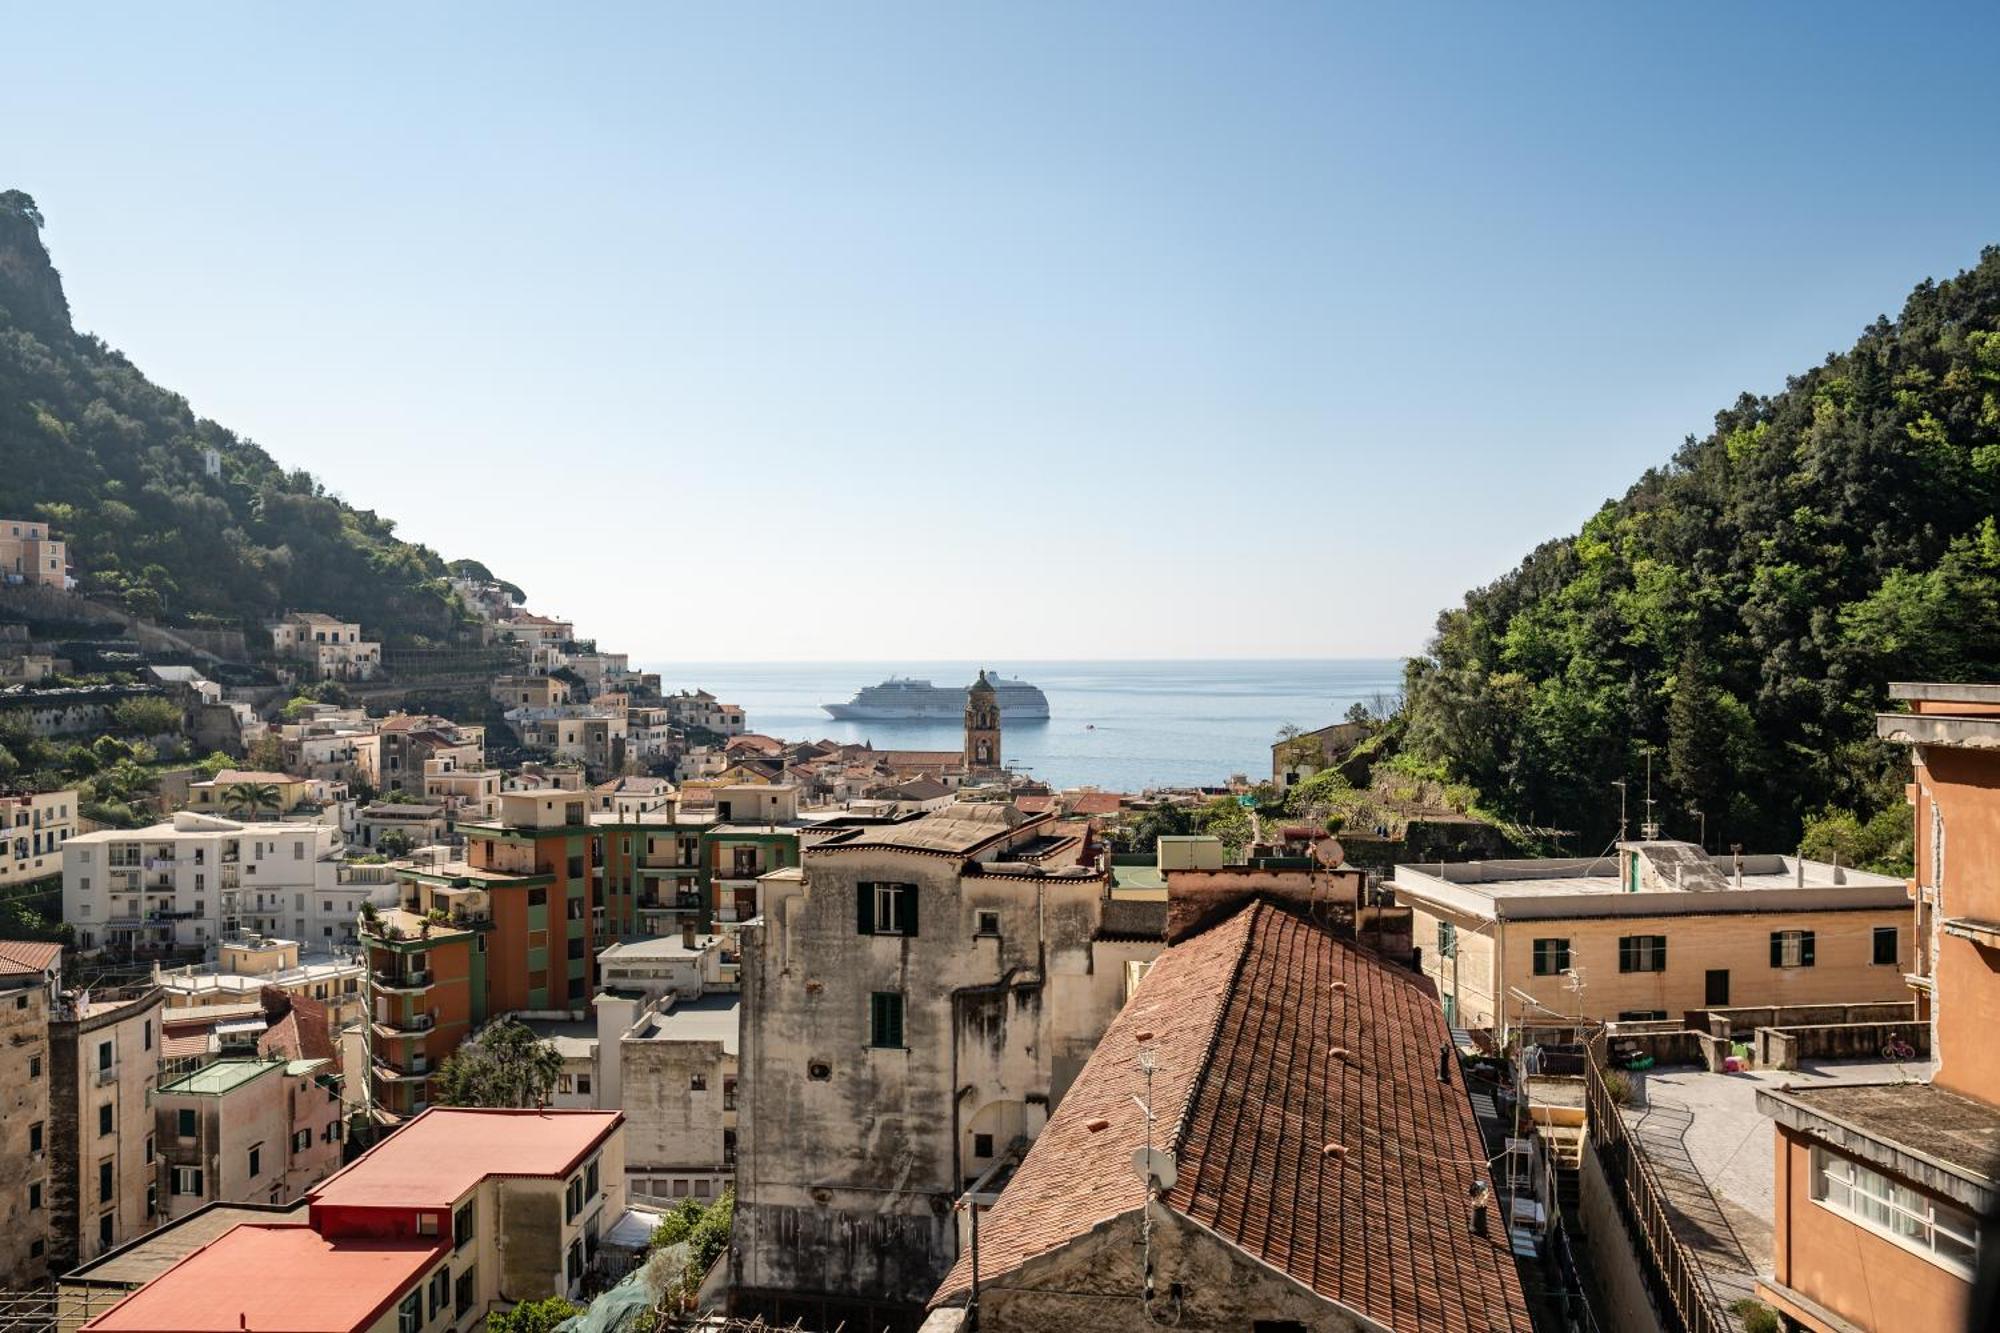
(1621, 1298)
(77, 1149)
(1784, 1048)
(671, 1130)
(1965, 786)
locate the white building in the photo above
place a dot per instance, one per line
(33, 830)
(196, 879)
(333, 649)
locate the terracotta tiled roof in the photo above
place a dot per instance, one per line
(1244, 1021)
(1096, 803)
(1034, 805)
(27, 956)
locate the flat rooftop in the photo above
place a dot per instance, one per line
(437, 1157)
(1578, 886)
(276, 1279)
(707, 1018)
(655, 950)
(155, 1252)
(1921, 1118)
(220, 1078)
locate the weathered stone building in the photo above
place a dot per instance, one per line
(104, 1058)
(28, 976)
(915, 1002)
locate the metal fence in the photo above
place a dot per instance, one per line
(1673, 1274)
(46, 1310)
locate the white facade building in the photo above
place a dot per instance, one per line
(33, 830)
(197, 879)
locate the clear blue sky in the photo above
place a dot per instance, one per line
(1021, 330)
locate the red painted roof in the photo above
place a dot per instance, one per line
(27, 955)
(437, 1157)
(1097, 803)
(1244, 1020)
(273, 1279)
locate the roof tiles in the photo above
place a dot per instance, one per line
(1245, 1021)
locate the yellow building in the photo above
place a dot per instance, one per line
(1653, 931)
(221, 794)
(29, 553)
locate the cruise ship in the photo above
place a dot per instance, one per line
(903, 698)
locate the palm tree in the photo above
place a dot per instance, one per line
(251, 796)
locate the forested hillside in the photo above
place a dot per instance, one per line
(1739, 613)
(117, 465)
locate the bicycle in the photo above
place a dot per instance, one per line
(1898, 1050)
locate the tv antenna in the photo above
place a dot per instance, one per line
(1650, 830)
(1621, 785)
(1156, 1168)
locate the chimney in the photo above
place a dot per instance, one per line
(687, 936)
(1444, 1063)
(1478, 1207)
(1839, 875)
(1799, 871)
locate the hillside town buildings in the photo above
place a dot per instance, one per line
(329, 648)
(31, 554)
(33, 828)
(30, 973)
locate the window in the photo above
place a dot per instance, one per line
(1791, 948)
(427, 1224)
(1447, 940)
(410, 1314)
(538, 897)
(986, 921)
(153, 1199)
(440, 1292)
(728, 1094)
(1551, 957)
(680, 1189)
(464, 1225)
(467, 1288)
(302, 1140)
(886, 1020)
(187, 1180)
(149, 1147)
(149, 1034)
(1642, 953)
(34, 1196)
(1885, 946)
(887, 909)
(34, 1066)
(701, 1189)
(104, 1120)
(697, 1083)
(1642, 1015)
(184, 1124)
(1915, 1221)
(982, 1145)
(107, 1181)
(35, 1137)
(583, 1085)
(257, 1163)
(576, 867)
(590, 1179)
(104, 1055)
(107, 1228)
(573, 1199)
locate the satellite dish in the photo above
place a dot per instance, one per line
(1329, 851)
(1156, 1167)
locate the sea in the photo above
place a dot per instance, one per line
(1119, 726)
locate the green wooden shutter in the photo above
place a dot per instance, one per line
(864, 910)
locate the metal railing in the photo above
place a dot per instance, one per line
(1674, 1276)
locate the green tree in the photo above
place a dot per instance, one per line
(532, 1316)
(252, 797)
(395, 843)
(145, 715)
(505, 1065)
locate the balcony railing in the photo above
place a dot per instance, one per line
(416, 979)
(408, 1025)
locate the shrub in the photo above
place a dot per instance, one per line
(1618, 1087)
(1757, 1317)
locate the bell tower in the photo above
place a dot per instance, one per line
(982, 727)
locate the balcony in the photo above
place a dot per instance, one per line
(415, 980)
(409, 1025)
(388, 1073)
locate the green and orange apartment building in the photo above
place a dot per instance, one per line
(509, 929)
(675, 866)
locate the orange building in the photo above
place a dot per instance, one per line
(507, 930)
(1880, 1187)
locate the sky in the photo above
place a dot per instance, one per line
(1030, 330)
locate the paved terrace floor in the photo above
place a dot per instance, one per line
(1713, 1152)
